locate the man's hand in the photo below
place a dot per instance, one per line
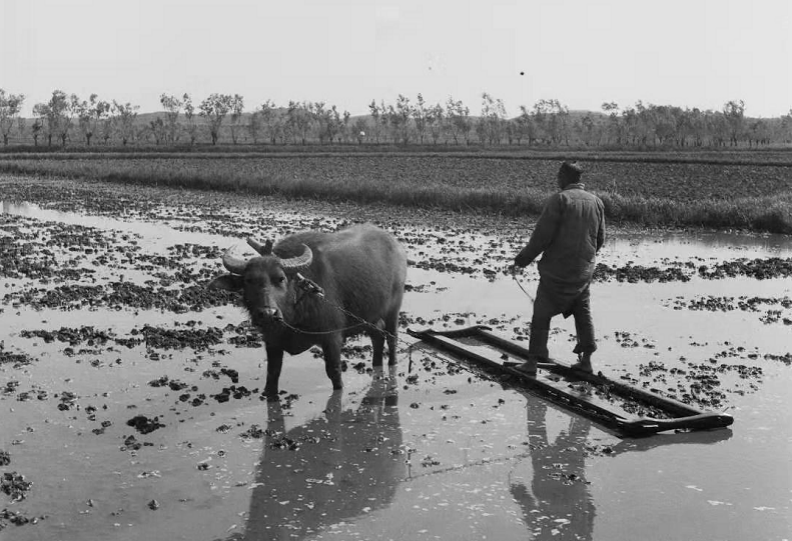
(514, 269)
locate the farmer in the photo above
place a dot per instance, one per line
(570, 232)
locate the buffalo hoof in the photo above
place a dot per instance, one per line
(271, 394)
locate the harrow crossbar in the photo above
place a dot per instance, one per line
(558, 389)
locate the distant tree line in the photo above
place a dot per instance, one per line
(222, 118)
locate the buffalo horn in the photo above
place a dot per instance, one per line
(233, 264)
(299, 261)
(262, 249)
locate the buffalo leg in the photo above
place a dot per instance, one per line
(332, 358)
(274, 365)
(378, 343)
(392, 328)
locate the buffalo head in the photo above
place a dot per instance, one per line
(266, 282)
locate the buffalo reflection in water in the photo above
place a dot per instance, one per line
(330, 469)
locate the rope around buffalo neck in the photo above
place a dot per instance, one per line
(301, 331)
(363, 321)
(408, 346)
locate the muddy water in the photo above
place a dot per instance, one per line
(427, 450)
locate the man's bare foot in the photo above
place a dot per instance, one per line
(583, 364)
(528, 368)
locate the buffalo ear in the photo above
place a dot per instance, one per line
(229, 282)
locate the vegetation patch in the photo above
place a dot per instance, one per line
(724, 194)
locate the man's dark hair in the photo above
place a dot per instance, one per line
(571, 172)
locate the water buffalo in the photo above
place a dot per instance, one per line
(361, 271)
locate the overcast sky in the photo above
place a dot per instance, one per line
(689, 53)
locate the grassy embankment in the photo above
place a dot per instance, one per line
(751, 191)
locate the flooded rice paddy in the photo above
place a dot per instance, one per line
(132, 403)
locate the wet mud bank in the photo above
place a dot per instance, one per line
(133, 402)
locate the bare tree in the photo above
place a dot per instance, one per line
(267, 116)
(328, 122)
(458, 118)
(44, 123)
(399, 118)
(189, 114)
(173, 107)
(734, 111)
(55, 115)
(215, 108)
(615, 130)
(21, 126)
(298, 120)
(67, 113)
(419, 114)
(359, 128)
(551, 117)
(786, 127)
(125, 116)
(90, 114)
(254, 126)
(491, 123)
(346, 126)
(158, 129)
(36, 128)
(237, 106)
(525, 126)
(10, 107)
(375, 113)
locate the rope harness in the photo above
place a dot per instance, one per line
(312, 288)
(309, 287)
(514, 276)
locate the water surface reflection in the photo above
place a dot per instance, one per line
(550, 486)
(333, 468)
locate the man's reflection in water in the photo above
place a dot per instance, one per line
(552, 489)
(558, 504)
(332, 468)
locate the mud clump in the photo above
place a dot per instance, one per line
(16, 360)
(237, 392)
(197, 339)
(119, 295)
(637, 273)
(760, 269)
(173, 384)
(144, 425)
(67, 400)
(72, 336)
(255, 432)
(230, 372)
(16, 519)
(131, 443)
(14, 485)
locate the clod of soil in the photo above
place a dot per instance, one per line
(15, 486)
(16, 360)
(144, 425)
(17, 519)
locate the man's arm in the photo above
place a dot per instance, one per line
(601, 231)
(543, 233)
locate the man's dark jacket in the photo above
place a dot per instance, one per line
(569, 232)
